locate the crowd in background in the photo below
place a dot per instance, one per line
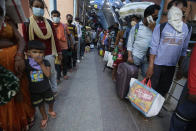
(50, 49)
(156, 50)
(34, 64)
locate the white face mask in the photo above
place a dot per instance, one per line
(175, 18)
(133, 23)
(56, 19)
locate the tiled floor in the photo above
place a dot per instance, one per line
(88, 102)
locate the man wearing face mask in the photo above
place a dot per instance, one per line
(168, 47)
(133, 21)
(74, 34)
(140, 38)
(40, 28)
(63, 36)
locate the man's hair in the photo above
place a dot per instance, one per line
(69, 15)
(35, 44)
(77, 19)
(176, 2)
(32, 1)
(56, 12)
(135, 16)
(151, 9)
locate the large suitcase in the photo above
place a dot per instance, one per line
(124, 74)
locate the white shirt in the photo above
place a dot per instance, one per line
(142, 41)
(79, 29)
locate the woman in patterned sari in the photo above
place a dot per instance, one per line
(16, 112)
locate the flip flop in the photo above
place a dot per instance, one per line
(44, 123)
(52, 114)
(31, 122)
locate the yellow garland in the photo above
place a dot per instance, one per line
(34, 28)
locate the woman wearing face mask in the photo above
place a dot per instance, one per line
(15, 112)
(40, 28)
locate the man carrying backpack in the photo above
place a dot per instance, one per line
(168, 46)
(140, 38)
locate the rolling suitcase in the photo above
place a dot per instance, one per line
(124, 74)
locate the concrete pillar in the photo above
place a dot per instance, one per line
(75, 8)
(52, 5)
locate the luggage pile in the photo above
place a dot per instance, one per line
(140, 94)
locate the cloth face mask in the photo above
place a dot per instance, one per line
(175, 18)
(38, 11)
(56, 19)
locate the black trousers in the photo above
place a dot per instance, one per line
(58, 70)
(66, 61)
(82, 48)
(162, 78)
(74, 55)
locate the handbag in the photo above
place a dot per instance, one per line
(105, 58)
(110, 61)
(9, 85)
(144, 98)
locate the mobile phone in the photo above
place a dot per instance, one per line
(150, 19)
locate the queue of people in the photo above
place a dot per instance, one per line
(49, 49)
(156, 50)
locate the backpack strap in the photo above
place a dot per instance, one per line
(189, 27)
(162, 26)
(136, 30)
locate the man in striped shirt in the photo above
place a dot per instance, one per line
(73, 30)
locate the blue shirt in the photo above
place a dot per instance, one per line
(140, 44)
(170, 46)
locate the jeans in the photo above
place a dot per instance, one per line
(53, 76)
(66, 61)
(184, 118)
(162, 78)
(142, 63)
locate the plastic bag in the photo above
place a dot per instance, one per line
(144, 98)
(107, 53)
(101, 52)
(110, 61)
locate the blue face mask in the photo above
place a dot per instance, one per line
(56, 19)
(38, 11)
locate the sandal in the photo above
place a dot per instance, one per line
(31, 122)
(44, 123)
(52, 114)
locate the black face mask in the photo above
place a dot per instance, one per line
(70, 21)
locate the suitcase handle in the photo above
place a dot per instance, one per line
(149, 82)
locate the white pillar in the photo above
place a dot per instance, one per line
(52, 5)
(75, 9)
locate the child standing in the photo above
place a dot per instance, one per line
(38, 72)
